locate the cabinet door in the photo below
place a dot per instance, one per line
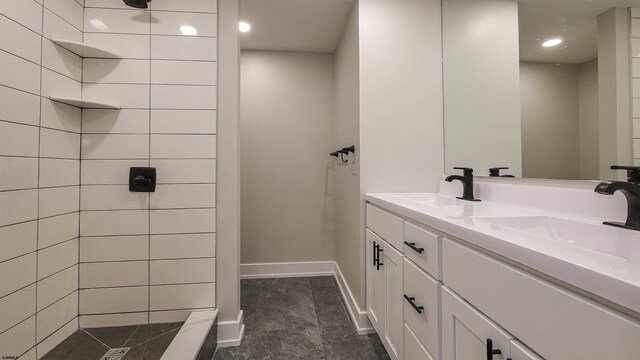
(375, 284)
(469, 335)
(413, 349)
(520, 352)
(392, 266)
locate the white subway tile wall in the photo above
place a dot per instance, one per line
(39, 175)
(149, 257)
(76, 247)
(635, 81)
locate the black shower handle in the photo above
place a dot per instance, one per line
(141, 180)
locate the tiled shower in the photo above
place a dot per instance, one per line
(77, 249)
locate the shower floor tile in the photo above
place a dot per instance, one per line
(143, 342)
(299, 318)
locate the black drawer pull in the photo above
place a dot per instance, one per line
(375, 254)
(414, 248)
(378, 263)
(491, 351)
(410, 300)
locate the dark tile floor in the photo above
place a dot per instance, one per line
(146, 342)
(299, 318)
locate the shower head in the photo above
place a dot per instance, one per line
(140, 4)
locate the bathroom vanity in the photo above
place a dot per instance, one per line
(505, 278)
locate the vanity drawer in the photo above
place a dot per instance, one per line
(386, 225)
(424, 291)
(413, 349)
(423, 248)
(555, 323)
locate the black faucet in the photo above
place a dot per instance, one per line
(631, 191)
(467, 183)
(495, 172)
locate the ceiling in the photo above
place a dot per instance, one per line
(294, 25)
(574, 21)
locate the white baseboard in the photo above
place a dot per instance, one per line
(282, 270)
(314, 268)
(359, 317)
(230, 332)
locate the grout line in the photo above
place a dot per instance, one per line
(55, 331)
(151, 260)
(130, 336)
(152, 311)
(36, 219)
(41, 188)
(62, 18)
(38, 171)
(150, 83)
(41, 65)
(57, 301)
(154, 35)
(149, 164)
(98, 340)
(149, 286)
(159, 184)
(165, 11)
(80, 167)
(169, 234)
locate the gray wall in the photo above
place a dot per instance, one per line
(614, 92)
(286, 136)
(346, 132)
(550, 126)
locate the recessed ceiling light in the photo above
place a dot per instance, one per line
(188, 30)
(244, 27)
(552, 42)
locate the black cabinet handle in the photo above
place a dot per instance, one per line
(414, 247)
(375, 253)
(378, 264)
(491, 351)
(410, 300)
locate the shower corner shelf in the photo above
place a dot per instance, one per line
(86, 50)
(85, 104)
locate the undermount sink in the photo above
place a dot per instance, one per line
(434, 200)
(610, 240)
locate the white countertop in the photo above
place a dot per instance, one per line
(614, 278)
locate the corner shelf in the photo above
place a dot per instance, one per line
(84, 104)
(86, 50)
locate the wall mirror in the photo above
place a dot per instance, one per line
(544, 87)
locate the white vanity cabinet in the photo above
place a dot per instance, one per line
(431, 297)
(556, 323)
(422, 309)
(469, 335)
(384, 293)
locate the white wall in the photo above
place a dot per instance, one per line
(345, 133)
(39, 176)
(550, 122)
(400, 102)
(149, 257)
(481, 102)
(286, 137)
(589, 120)
(228, 175)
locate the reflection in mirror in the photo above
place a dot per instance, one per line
(543, 87)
